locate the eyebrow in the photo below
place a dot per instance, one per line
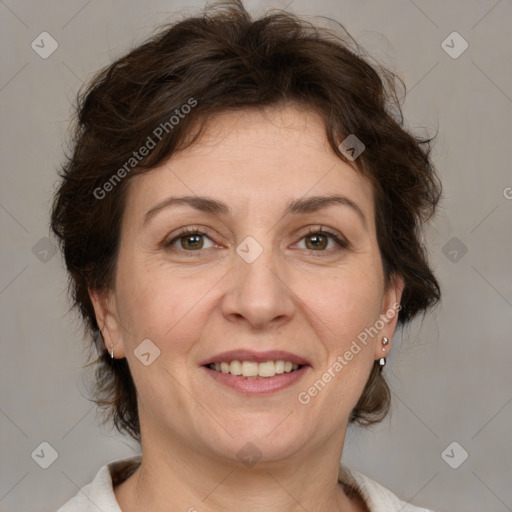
(297, 207)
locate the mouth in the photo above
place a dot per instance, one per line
(255, 370)
(256, 373)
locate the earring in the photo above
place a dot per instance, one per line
(112, 351)
(382, 360)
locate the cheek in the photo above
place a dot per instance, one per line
(154, 304)
(341, 312)
(344, 306)
(348, 305)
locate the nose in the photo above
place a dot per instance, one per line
(259, 293)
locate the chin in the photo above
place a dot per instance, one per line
(267, 440)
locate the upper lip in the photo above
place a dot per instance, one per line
(258, 357)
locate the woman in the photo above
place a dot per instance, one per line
(240, 221)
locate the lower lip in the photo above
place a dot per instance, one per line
(266, 386)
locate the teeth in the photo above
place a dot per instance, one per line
(267, 369)
(249, 369)
(254, 369)
(235, 368)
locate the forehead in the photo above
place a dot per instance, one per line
(261, 158)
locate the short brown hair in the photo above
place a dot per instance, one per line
(219, 61)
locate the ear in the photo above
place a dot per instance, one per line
(389, 314)
(107, 318)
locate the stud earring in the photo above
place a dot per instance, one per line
(382, 360)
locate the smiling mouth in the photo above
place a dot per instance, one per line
(255, 370)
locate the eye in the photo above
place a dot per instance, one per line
(318, 240)
(189, 240)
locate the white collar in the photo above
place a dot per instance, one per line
(99, 494)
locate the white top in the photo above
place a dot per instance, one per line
(99, 494)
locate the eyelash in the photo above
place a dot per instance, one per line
(342, 243)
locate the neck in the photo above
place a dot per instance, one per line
(185, 479)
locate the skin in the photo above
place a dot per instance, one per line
(312, 300)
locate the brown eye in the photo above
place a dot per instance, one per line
(190, 241)
(193, 242)
(316, 241)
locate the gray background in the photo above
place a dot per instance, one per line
(450, 377)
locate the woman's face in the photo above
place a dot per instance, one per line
(265, 274)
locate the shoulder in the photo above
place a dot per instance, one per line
(99, 494)
(376, 497)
